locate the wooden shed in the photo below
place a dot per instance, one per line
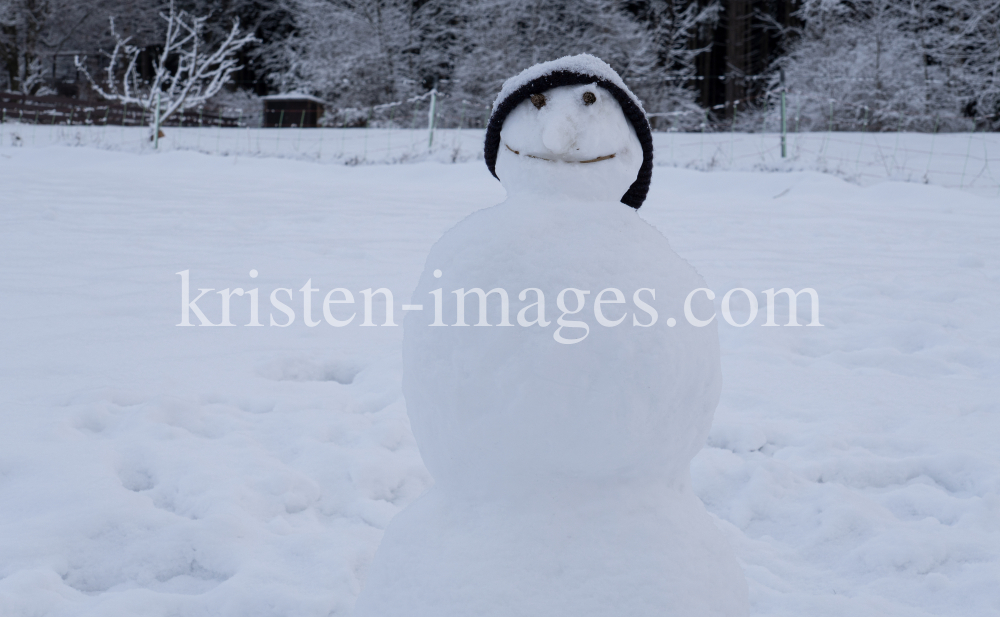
(292, 110)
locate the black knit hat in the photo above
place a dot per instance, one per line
(541, 78)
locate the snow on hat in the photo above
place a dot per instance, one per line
(572, 71)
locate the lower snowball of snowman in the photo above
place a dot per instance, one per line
(588, 550)
(561, 471)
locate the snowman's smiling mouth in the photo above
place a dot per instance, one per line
(532, 156)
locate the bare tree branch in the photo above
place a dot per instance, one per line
(195, 78)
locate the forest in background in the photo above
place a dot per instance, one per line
(878, 65)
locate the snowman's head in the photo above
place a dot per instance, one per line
(570, 128)
(570, 140)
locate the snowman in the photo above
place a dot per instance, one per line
(558, 417)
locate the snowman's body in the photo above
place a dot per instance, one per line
(561, 470)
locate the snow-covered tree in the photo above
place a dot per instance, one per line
(22, 24)
(367, 54)
(506, 36)
(893, 64)
(666, 74)
(185, 73)
(37, 37)
(271, 21)
(351, 53)
(975, 56)
(32, 34)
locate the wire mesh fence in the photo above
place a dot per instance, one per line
(350, 146)
(968, 161)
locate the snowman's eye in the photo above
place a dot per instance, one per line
(538, 100)
(589, 98)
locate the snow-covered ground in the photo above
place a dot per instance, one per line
(147, 469)
(969, 161)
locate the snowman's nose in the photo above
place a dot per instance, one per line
(559, 135)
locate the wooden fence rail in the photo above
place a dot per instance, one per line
(16, 107)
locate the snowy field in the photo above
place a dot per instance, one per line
(969, 161)
(147, 469)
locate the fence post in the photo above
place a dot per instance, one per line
(732, 135)
(829, 127)
(430, 116)
(701, 140)
(302, 122)
(156, 123)
(968, 150)
(240, 121)
(364, 139)
(277, 135)
(895, 147)
(388, 139)
(930, 155)
(784, 124)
